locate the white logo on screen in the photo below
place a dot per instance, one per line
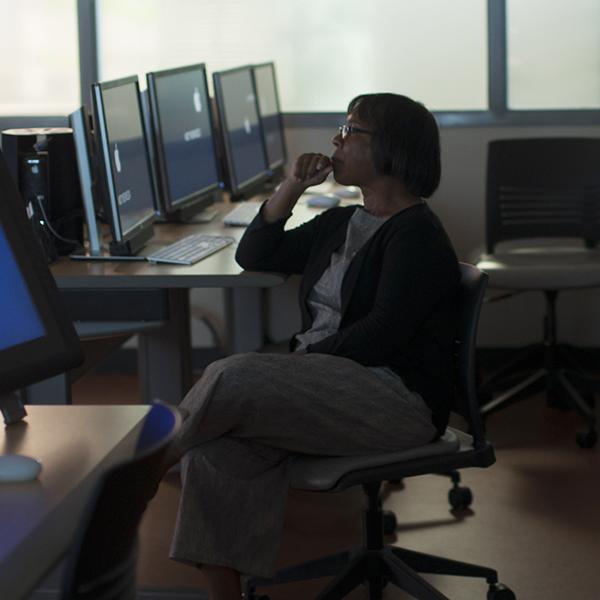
(247, 125)
(118, 165)
(192, 134)
(197, 100)
(124, 198)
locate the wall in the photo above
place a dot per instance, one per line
(460, 204)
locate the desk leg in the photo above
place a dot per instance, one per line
(55, 390)
(245, 319)
(165, 354)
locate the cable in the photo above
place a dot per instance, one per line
(51, 229)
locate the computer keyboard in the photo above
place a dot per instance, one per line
(242, 215)
(190, 249)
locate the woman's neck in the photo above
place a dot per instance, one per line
(386, 197)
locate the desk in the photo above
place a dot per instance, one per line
(75, 445)
(164, 353)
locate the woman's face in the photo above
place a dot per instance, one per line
(353, 159)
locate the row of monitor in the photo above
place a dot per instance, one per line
(168, 152)
(38, 339)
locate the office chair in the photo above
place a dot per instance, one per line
(542, 188)
(102, 562)
(375, 563)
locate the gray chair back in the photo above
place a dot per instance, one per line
(546, 187)
(473, 283)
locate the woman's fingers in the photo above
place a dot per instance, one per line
(312, 166)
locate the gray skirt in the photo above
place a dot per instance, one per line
(245, 421)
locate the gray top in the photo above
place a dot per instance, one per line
(325, 299)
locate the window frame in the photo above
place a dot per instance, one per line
(497, 115)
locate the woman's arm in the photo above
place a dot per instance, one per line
(307, 170)
(265, 245)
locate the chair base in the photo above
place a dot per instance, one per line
(376, 565)
(555, 360)
(377, 568)
(558, 377)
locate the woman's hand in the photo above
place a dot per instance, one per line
(310, 169)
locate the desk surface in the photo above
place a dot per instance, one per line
(75, 444)
(216, 270)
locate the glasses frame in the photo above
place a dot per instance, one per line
(345, 130)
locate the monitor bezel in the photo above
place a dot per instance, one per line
(204, 196)
(279, 164)
(247, 187)
(60, 349)
(142, 229)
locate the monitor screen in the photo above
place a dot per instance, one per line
(124, 157)
(270, 114)
(184, 140)
(20, 322)
(241, 130)
(38, 340)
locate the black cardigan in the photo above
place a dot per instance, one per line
(399, 295)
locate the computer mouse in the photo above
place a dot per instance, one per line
(323, 201)
(16, 467)
(348, 192)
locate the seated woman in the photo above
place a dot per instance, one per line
(371, 370)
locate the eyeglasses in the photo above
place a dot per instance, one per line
(345, 130)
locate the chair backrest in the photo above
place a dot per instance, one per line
(102, 560)
(546, 187)
(472, 290)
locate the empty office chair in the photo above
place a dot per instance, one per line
(102, 561)
(542, 188)
(375, 563)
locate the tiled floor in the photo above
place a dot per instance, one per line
(535, 515)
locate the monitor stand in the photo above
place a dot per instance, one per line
(205, 216)
(12, 408)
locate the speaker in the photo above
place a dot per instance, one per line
(43, 164)
(33, 184)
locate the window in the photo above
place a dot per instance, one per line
(325, 52)
(553, 54)
(39, 69)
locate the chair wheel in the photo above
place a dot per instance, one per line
(498, 591)
(460, 497)
(389, 522)
(588, 439)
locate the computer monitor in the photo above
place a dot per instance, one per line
(38, 340)
(270, 116)
(241, 132)
(124, 164)
(183, 141)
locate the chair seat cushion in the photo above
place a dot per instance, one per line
(542, 268)
(321, 473)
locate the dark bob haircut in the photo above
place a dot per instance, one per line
(405, 141)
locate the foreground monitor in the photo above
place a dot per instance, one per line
(37, 340)
(244, 153)
(270, 117)
(184, 142)
(124, 164)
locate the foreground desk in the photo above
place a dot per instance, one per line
(164, 353)
(75, 445)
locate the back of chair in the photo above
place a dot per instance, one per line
(472, 290)
(103, 558)
(546, 187)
